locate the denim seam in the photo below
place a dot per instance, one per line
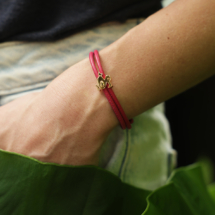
(169, 164)
(125, 154)
(22, 88)
(24, 91)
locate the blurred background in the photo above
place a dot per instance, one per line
(166, 2)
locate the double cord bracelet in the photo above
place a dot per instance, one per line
(103, 83)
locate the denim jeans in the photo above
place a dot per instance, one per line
(142, 156)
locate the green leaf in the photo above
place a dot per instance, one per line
(30, 187)
(211, 189)
(207, 168)
(185, 193)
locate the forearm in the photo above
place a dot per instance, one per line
(168, 53)
(68, 122)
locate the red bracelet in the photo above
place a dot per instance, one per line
(105, 85)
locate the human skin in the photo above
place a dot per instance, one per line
(67, 123)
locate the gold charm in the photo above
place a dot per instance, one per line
(102, 83)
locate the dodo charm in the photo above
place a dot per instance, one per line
(102, 82)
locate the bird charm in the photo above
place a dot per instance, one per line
(102, 83)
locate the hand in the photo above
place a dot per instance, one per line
(66, 123)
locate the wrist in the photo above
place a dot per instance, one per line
(80, 102)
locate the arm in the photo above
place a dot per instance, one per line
(168, 53)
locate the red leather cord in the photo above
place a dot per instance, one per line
(117, 108)
(106, 92)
